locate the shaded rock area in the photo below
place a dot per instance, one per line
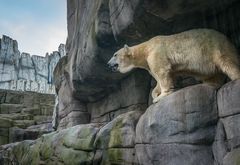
(23, 72)
(24, 115)
(186, 127)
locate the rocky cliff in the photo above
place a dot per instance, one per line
(108, 118)
(24, 72)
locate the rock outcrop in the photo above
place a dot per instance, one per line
(23, 72)
(24, 115)
(197, 125)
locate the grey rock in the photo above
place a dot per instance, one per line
(61, 50)
(231, 126)
(119, 133)
(186, 116)
(173, 154)
(137, 83)
(228, 95)
(26, 73)
(232, 158)
(26, 68)
(219, 146)
(41, 67)
(121, 156)
(53, 59)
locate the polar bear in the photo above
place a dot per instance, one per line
(202, 53)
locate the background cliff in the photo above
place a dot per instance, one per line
(22, 72)
(108, 118)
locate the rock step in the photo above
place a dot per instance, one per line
(10, 108)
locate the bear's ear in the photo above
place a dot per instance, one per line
(126, 49)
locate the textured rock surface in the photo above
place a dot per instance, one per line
(83, 144)
(183, 128)
(96, 29)
(179, 125)
(24, 115)
(26, 73)
(227, 140)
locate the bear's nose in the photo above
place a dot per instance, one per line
(112, 66)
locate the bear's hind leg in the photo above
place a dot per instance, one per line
(229, 65)
(215, 80)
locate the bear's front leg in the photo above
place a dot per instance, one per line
(166, 85)
(156, 91)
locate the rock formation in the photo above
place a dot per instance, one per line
(24, 115)
(23, 72)
(196, 125)
(108, 118)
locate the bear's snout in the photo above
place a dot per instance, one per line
(112, 66)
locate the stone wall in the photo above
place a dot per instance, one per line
(23, 72)
(24, 115)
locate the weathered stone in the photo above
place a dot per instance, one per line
(42, 119)
(26, 68)
(17, 116)
(219, 146)
(72, 120)
(113, 114)
(232, 158)
(5, 122)
(232, 129)
(119, 133)
(26, 73)
(120, 156)
(10, 108)
(138, 84)
(186, 116)
(4, 132)
(23, 123)
(53, 59)
(173, 154)
(228, 99)
(14, 97)
(81, 137)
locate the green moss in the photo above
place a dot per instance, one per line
(80, 138)
(115, 156)
(74, 157)
(46, 148)
(116, 135)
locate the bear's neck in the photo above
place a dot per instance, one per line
(140, 53)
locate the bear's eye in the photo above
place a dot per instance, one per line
(115, 55)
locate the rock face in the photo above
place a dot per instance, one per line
(24, 115)
(193, 126)
(24, 72)
(96, 29)
(179, 125)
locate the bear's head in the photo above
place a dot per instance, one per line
(122, 60)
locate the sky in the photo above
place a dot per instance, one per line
(39, 26)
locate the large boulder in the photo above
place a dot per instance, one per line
(179, 125)
(227, 140)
